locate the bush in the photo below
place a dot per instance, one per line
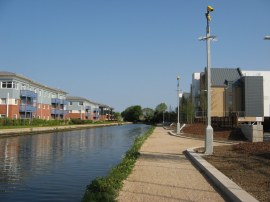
(79, 121)
(107, 188)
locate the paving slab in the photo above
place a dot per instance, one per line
(163, 172)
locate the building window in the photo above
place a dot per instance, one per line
(39, 106)
(9, 84)
(23, 87)
(3, 101)
(70, 103)
(44, 106)
(3, 116)
(80, 103)
(39, 92)
(16, 102)
(14, 116)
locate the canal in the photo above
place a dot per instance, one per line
(58, 166)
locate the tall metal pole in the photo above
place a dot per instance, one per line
(178, 91)
(209, 129)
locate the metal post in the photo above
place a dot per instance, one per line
(163, 117)
(178, 90)
(209, 129)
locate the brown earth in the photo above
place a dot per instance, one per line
(245, 163)
(198, 130)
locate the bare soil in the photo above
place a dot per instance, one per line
(245, 163)
(198, 131)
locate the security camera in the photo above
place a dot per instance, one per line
(210, 8)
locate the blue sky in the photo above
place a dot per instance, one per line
(129, 52)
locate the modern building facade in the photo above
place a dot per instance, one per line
(22, 98)
(106, 112)
(248, 96)
(266, 88)
(84, 109)
(195, 92)
(221, 90)
(244, 93)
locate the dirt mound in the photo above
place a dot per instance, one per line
(247, 164)
(198, 130)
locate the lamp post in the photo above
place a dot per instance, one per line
(209, 129)
(267, 38)
(178, 90)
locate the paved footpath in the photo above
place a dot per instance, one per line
(163, 173)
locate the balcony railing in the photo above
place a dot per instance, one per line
(87, 107)
(96, 110)
(59, 101)
(27, 108)
(59, 111)
(28, 93)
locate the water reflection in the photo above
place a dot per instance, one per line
(58, 166)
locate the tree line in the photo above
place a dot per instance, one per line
(161, 114)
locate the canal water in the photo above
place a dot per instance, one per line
(58, 166)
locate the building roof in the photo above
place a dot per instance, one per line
(11, 74)
(220, 76)
(76, 98)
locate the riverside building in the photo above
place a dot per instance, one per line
(22, 98)
(84, 109)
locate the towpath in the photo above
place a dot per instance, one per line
(163, 173)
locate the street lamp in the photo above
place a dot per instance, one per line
(267, 38)
(209, 129)
(178, 101)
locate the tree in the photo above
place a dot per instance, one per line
(148, 114)
(132, 113)
(117, 116)
(160, 109)
(187, 110)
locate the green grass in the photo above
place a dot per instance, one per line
(106, 189)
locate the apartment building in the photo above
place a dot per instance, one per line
(82, 108)
(106, 112)
(85, 109)
(23, 98)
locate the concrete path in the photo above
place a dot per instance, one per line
(163, 173)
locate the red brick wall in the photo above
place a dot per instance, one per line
(3, 109)
(12, 110)
(75, 116)
(44, 111)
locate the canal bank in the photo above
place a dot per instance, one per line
(37, 130)
(163, 172)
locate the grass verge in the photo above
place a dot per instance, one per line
(107, 188)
